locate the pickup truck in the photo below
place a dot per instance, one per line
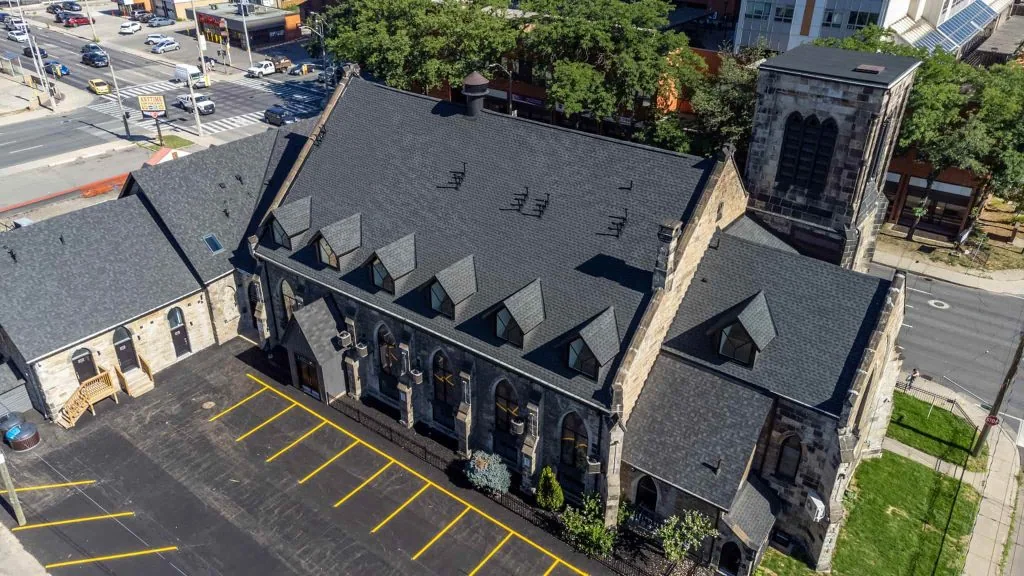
(260, 69)
(203, 102)
(281, 63)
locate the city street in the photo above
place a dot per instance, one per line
(28, 141)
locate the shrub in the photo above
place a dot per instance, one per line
(584, 528)
(487, 472)
(680, 535)
(549, 491)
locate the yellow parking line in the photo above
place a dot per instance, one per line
(552, 567)
(72, 521)
(399, 509)
(299, 439)
(239, 403)
(436, 486)
(49, 486)
(441, 533)
(112, 557)
(363, 485)
(265, 422)
(492, 553)
(331, 459)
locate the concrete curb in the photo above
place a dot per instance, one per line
(67, 158)
(910, 263)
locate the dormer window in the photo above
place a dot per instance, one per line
(327, 256)
(438, 298)
(736, 344)
(381, 278)
(501, 323)
(280, 238)
(581, 359)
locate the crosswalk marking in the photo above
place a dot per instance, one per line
(233, 122)
(150, 88)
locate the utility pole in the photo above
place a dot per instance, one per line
(92, 23)
(202, 45)
(21, 13)
(245, 28)
(508, 93)
(37, 56)
(117, 93)
(12, 495)
(993, 414)
(195, 105)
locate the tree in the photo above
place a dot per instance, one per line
(580, 87)
(584, 528)
(724, 103)
(549, 491)
(680, 535)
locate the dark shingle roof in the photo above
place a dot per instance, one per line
(343, 236)
(218, 191)
(459, 279)
(10, 378)
(755, 318)
(398, 151)
(399, 257)
(685, 420)
(293, 217)
(318, 324)
(752, 513)
(601, 335)
(114, 264)
(527, 306)
(841, 64)
(748, 229)
(824, 316)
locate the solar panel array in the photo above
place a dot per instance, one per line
(959, 28)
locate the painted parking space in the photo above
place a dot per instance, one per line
(377, 492)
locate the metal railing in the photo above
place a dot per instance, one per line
(936, 401)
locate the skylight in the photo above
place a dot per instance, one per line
(213, 243)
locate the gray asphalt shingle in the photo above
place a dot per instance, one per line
(80, 273)
(527, 306)
(745, 227)
(601, 335)
(344, 235)
(293, 217)
(756, 318)
(399, 257)
(319, 324)
(459, 280)
(10, 378)
(752, 513)
(390, 156)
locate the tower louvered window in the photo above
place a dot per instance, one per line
(807, 147)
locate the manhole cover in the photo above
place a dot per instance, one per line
(938, 304)
(208, 405)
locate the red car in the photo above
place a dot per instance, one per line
(76, 21)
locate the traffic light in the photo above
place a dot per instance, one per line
(127, 114)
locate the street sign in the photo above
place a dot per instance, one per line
(154, 115)
(991, 420)
(202, 43)
(152, 103)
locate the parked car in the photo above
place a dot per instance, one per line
(260, 69)
(13, 23)
(75, 21)
(136, 14)
(165, 46)
(156, 38)
(96, 59)
(278, 115)
(129, 28)
(18, 36)
(303, 69)
(62, 16)
(92, 47)
(55, 68)
(145, 17)
(202, 101)
(281, 63)
(54, 8)
(97, 86)
(160, 21)
(72, 6)
(27, 51)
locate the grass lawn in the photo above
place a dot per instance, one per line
(940, 433)
(902, 521)
(1001, 256)
(170, 141)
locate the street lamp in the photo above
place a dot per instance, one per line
(202, 44)
(117, 93)
(37, 60)
(318, 29)
(245, 29)
(508, 92)
(92, 22)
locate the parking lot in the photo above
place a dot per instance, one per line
(221, 470)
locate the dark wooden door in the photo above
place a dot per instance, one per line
(126, 355)
(85, 368)
(179, 336)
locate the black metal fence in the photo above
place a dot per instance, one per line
(936, 401)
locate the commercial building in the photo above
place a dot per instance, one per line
(223, 23)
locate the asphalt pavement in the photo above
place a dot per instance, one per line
(28, 141)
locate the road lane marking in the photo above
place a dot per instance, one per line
(552, 567)
(239, 403)
(363, 485)
(442, 532)
(112, 557)
(921, 291)
(49, 486)
(492, 553)
(6, 143)
(331, 459)
(399, 509)
(26, 149)
(412, 471)
(299, 439)
(264, 423)
(907, 326)
(72, 521)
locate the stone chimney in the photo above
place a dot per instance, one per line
(474, 88)
(668, 235)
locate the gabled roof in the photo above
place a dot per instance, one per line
(399, 151)
(687, 420)
(84, 272)
(345, 235)
(601, 335)
(293, 217)
(527, 306)
(399, 257)
(752, 513)
(755, 318)
(10, 377)
(317, 324)
(823, 314)
(748, 229)
(459, 279)
(220, 191)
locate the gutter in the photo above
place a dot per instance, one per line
(843, 80)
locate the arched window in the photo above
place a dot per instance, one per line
(85, 367)
(389, 358)
(446, 392)
(729, 560)
(287, 300)
(254, 300)
(175, 319)
(789, 458)
(573, 456)
(807, 147)
(646, 494)
(506, 407)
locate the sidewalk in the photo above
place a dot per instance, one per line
(16, 561)
(20, 103)
(976, 479)
(998, 486)
(1000, 281)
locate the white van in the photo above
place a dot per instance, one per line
(182, 73)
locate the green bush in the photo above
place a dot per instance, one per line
(584, 528)
(487, 472)
(680, 535)
(549, 491)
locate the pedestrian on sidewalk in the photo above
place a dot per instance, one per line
(912, 377)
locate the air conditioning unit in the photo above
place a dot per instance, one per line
(362, 350)
(815, 506)
(344, 338)
(416, 376)
(593, 466)
(518, 426)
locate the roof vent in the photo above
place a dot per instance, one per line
(869, 69)
(474, 88)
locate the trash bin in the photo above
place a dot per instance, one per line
(8, 421)
(24, 437)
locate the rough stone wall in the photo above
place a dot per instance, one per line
(671, 500)
(227, 300)
(55, 375)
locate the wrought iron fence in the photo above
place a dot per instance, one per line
(936, 400)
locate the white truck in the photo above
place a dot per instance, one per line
(260, 69)
(185, 72)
